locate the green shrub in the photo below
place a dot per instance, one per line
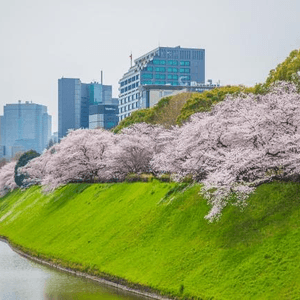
(165, 178)
(23, 160)
(134, 177)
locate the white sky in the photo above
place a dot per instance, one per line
(41, 41)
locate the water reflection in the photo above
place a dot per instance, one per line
(23, 279)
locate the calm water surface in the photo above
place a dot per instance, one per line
(25, 280)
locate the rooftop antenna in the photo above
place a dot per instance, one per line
(101, 77)
(130, 56)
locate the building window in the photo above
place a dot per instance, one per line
(184, 70)
(147, 75)
(157, 69)
(150, 69)
(146, 82)
(159, 62)
(172, 62)
(160, 76)
(174, 70)
(185, 63)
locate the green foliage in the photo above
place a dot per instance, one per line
(119, 229)
(142, 115)
(165, 177)
(23, 160)
(201, 102)
(287, 70)
(133, 177)
(163, 113)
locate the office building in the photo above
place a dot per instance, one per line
(74, 100)
(103, 116)
(24, 126)
(163, 66)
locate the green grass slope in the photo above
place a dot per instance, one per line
(155, 234)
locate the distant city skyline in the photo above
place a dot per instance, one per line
(42, 41)
(24, 126)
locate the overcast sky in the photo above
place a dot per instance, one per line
(41, 41)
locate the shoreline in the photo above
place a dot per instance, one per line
(151, 295)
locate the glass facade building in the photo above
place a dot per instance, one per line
(74, 100)
(164, 66)
(24, 126)
(103, 116)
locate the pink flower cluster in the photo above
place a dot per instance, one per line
(244, 141)
(7, 178)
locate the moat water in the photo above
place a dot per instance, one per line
(22, 279)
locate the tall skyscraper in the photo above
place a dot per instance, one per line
(163, 66)
(69, 105)
(74, 100)
(24, 126)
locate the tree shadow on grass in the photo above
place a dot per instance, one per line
(265, 215)
(64, 195)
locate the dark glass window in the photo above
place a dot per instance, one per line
(147, 75)
(160, 69)
(185, 63)
(150, 69)
(160, 76)
(172, 62)
(184, 70)
(146, 82)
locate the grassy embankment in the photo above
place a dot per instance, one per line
(127, 231)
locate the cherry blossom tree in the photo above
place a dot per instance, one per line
(243, 142)
(135, 148)
(7, 178)
(82, 156)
